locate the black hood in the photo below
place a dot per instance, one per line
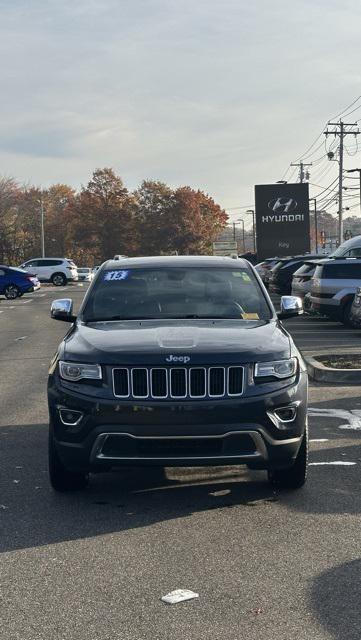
(152, 342)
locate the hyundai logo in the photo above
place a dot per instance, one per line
(282, 205)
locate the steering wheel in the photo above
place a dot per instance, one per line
(236, 306)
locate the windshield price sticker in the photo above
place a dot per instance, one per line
(120, 274)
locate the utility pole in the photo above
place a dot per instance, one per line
(341, 131)
(301, 165)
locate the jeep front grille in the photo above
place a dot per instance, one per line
(177, 383)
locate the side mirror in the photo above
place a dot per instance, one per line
(290, 306)
(62, 310)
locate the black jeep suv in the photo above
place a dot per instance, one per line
(177, 361)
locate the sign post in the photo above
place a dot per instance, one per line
(282, 219)
(229, 249)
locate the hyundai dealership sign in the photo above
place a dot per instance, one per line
(282, 219)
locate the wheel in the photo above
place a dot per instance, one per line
(346, 314)
(294, 477)
(58, 279)
(61, 479)
(12, 292)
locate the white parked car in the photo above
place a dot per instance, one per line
(85, 274)
(59, 271)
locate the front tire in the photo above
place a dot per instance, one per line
(61, 479)
(11, 292)
(58, 279)
(346, 314)
(294, 477)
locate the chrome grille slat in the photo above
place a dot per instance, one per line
(139, 383)
(158, 383)
(178, 383)
(121, 383)
(197, 382)
(216, 382)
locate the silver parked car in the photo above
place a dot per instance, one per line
(85, 274)
(265, 267)
(302, 278)
(333, 287)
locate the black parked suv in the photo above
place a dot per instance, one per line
(280, 276)
(177, 361)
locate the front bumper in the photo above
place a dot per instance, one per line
(192, 433)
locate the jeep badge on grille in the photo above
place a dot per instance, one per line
(183, 359)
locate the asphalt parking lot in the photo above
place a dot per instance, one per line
(319, 333)
(94, 565)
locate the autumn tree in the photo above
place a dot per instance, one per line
(183, 221)
(57, 203)
(196, 221)
(103, 219)
(9, 211)
(155, 202)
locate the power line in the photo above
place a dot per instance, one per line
(303, 155)
(343, 110)
(327, 188)
(306, 155)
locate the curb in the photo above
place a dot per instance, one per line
(320, 373)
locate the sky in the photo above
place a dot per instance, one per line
(216, 94)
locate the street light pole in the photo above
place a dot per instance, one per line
(254, 228)
(234, 232)
(243, 242)
(42, 227)
(316, 225)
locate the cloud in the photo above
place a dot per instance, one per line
(218, 95)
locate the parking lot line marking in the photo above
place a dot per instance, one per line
(26, 301)
(340, 463)
(339, 332)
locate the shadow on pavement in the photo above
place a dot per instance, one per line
(335, 597)
(31, 514)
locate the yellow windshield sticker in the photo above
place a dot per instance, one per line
(250, 316)
(245, 277)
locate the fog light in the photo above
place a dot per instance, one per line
(70, 417)
(286, 414)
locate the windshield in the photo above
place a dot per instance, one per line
(129, 294)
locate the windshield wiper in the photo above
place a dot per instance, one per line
(112, 318)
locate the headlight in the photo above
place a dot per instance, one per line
(73, 372)
(279, 369)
